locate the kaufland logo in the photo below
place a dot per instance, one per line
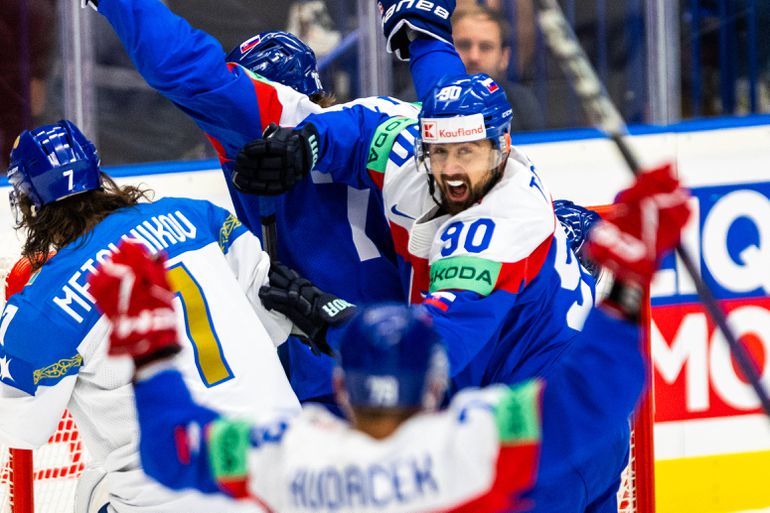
(428, 130)
(455, 129)
(250, 43)
(461, 132)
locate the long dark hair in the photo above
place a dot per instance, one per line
(323, 99)
(57, 224)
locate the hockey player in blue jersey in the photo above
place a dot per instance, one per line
(53, 342)
(475, 229)
(477, 237)
(342, 242)
(477, 456)
(345, 230)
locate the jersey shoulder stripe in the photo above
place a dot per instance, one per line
(483, 276)
(270, 107)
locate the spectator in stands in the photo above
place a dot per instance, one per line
(26, 38)
(483, 39)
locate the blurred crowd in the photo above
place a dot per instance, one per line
(498, 37)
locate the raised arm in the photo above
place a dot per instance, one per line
(431, 60)
(187, 65)
(173, 57)
(421, 33)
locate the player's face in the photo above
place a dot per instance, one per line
(462, 171)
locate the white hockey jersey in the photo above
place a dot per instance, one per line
(500, 280)
(478, 456)
(53, 343)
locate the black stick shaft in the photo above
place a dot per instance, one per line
(564, 45)
(269, 232)
(270, 237)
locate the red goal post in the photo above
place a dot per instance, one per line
(637, 487)
(47, 476)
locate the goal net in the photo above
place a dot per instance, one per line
(43, 480)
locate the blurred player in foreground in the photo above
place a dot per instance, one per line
(396, 454)
(53, 345)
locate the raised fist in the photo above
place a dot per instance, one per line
(404, 21)
(645, 224)
(132, 290)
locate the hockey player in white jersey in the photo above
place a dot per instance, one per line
(53, 342)
(395, 455)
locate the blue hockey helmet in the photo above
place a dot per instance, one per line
(577, 221)
(281, 57)
(52, 162)
(391, 356)
(462, 109)
(465, 108)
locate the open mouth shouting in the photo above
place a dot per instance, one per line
(457, 192)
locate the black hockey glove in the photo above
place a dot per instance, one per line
(273, 164)
(404, 21)
(310, 309)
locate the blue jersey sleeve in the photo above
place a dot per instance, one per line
(564, 420)
(31, 355)
(346, 138)
(188, 67)
(593, 389)
(468, 322)
(172, 444)
(172, 56)
(431, 60)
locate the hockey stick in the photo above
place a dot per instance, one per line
(269, 232)
(564, 45)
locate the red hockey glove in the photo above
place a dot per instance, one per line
(20, 274)
(133, 292)
(18, 277)
(645, 224)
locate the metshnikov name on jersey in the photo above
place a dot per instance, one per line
(156, 233)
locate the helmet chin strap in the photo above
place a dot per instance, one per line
(432, 186)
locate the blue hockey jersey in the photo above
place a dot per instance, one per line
(505, 290)
(329, 232)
